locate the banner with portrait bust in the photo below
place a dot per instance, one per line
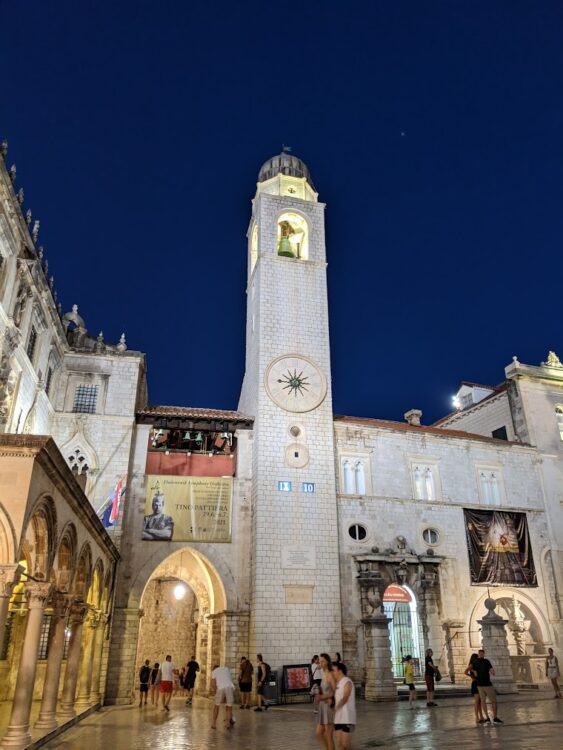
(500, 553)
(188, 509)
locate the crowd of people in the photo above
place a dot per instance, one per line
(162, 681)
(332, 691)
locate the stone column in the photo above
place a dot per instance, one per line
(495, 643)
(214, 645)
(17, 735)
(78, 612)
(9, 577)
(122, 656)
(201, 654)
(427, 595)
(235, 640)
(92, 622)
(457, 650)
(380, 685)
(95, 694)
(47, 720)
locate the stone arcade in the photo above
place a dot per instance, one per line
(278, 528)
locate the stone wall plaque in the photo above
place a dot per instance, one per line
(299, 557)
(298, 594)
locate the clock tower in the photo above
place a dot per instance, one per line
(295, 607)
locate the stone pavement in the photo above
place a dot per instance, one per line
(530, 723)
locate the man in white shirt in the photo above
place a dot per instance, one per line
(344, 706)
(224, 690)
(166, 681)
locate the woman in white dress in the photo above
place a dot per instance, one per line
(552, 671)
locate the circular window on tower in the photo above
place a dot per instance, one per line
(431, 536)
(358, 532)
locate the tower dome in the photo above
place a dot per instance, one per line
(284, 163)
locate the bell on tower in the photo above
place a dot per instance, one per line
(292, 236)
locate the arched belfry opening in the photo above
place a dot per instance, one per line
(293, 236)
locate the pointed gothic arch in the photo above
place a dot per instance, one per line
(64, 566)
(39, 537)
(83, 576)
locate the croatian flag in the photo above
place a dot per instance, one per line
(109, 512)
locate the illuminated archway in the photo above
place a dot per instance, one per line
(182, 605)
(405, 631)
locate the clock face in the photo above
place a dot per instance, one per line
(295, 383)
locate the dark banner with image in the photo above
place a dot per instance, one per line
(499, 547)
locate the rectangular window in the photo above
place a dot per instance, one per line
(32, 340)
(44, 637)
(48, 381)
(85, 398)
(500, 433)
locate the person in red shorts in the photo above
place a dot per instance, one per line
(166, 681)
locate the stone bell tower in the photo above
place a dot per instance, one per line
(295, 607)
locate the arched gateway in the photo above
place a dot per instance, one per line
(182, 605)
(183, 613)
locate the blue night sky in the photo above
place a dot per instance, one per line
(432, 131)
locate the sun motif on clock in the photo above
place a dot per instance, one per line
(295, 383)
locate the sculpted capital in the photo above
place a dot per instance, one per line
(37, 594)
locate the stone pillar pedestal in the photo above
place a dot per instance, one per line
(47, 720)
(84, 684)
(122, 667)
(456, 651)
(380, 685)
(77, 614)
(493, 634)
(17, 735)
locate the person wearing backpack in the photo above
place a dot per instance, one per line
(263, 672)
(144, 678)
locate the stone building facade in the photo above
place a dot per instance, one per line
(344, 534)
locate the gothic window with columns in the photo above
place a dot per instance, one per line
(491, 486)
(354, 475)
(425, 481)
